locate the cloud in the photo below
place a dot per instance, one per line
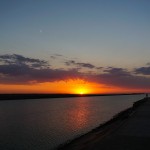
(143, 70)
(99, 68)
(54, 56)
(21, 60)
(117, 71)
(78, 64)
(17, 69)
(148, 64)
(24, 74)
(120, 77)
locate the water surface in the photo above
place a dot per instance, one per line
(43, 124)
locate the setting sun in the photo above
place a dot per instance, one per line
(81, 91)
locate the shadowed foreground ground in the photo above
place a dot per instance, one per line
(131, 131)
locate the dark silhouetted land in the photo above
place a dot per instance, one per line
(39, 96)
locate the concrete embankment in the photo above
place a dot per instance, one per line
(129, 130)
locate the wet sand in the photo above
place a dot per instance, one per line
(130, 129)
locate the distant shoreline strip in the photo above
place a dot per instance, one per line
(41, 96)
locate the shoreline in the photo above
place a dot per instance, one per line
(41, 96)
(102, 130)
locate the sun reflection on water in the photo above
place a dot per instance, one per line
(80, 114)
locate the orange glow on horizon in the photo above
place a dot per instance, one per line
(69, 86)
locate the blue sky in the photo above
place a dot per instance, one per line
(103, 41)
(104, 32)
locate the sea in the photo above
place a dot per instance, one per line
(45, 124)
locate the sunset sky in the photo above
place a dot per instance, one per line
(74, 46)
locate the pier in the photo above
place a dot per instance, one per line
(128, 132)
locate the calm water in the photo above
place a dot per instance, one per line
(44, 124)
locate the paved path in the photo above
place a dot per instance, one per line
(133, 134)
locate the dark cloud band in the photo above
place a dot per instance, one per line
(17, 69)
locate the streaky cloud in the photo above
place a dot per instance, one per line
(117, 71)
(143, 70)
(17, 69)
(79, 64)
(21, 60)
